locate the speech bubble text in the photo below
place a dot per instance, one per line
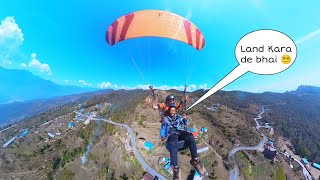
(259, 52)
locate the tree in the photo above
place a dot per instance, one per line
(212, 175)
(305, 151)
(66, 174)
(215, 163)
(124, 177)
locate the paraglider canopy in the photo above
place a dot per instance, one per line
(155, 23)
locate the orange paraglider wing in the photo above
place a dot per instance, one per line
(154, 23)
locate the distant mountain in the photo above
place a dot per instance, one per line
(21, 85)
(16, 111)
(312, 90)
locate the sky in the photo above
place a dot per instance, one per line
(64, 41)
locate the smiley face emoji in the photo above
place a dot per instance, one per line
(286, 59)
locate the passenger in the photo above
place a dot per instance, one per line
(173, 129)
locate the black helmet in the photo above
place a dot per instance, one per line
(170, 97)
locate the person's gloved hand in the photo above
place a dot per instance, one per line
(186, 98)
(155, 106)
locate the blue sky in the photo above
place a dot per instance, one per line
(63, 41)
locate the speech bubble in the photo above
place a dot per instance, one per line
(260, 52)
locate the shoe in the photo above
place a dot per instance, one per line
(176, 173)
(198, 166)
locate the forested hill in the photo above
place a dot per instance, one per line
(296, 114)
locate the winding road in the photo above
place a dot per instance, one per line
(304, 170)
(306, 173)
(151, 171)
(234, 173)
(6, 128)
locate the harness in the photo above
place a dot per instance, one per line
(176, 124)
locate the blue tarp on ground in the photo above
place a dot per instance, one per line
(304, 160)
(148, 145)
(316, 165)
(204, 129)
(167, 166)
(191, 130)
(271, 142)
(70, 125)
(25, 132)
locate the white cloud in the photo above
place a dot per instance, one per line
(190, 88)
(33, 55)
(10, 34)
(36, 64)
(6, 62)
(11, 37)
(142, 86)
(203, 86)
(166, 87)
(66, 81)
(84, 83)
(5, 59)
(105, 85)
(308, 37)
(23, 65)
